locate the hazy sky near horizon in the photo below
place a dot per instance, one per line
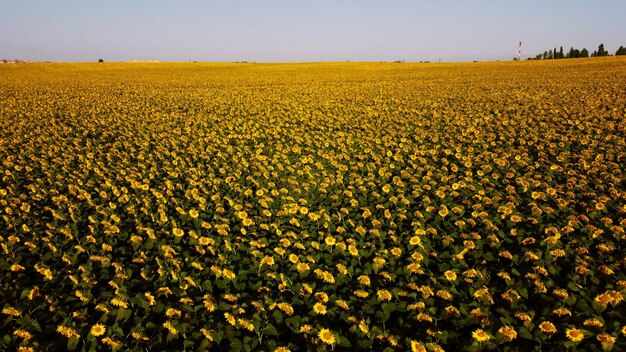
(294, 30)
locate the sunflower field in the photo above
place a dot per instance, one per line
(335, 206)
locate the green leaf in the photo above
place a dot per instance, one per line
(72, 343)
(524, 333)
(572, 286)
(270, 330)
(236, 345)
(293, 323)
(388, 308)
(188, 343)
(122, 315)
(35, 325)
(344, 342)
(278, 316)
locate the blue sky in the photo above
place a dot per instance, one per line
(293, 30)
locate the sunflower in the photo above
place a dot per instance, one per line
(319, 308)
(384, 295)
(285, 307)
(328, 277)
(363, 327)
(171, 328)
(67, 331)
(17, 268)
(415, 268)
(11, 311)
(228, 274)
(150, 298)
(293, 258)
(415, 241)
(267, 260)
(193, 213)
(306, 329)
(574, 335)
(444, 294)
(173, 313)
(450, 275)
(246, 324)
(139, 336)
(303, 267)
(396, 252)
(207, 334)
(119, 303)
(98, 330)
(417, 347)
(508, 332)
(230, 318)
(443, 211)
(562, 312)
(343, 304)
(330, 241)
(326, 336)
(364, 280)
(593, 323)
(178, 232)
(282, 349)
(606, 340)
(23, 334)
(322, 296)
(547, 327)
(480, 335)
(113, 343)
(361, 293)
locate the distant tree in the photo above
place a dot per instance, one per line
(561, 53)
(554, 52)
(100, 60)
(550, 54)
(620, 51)
(601, 51)
(573, 53)
(545, 55)
(584, 53)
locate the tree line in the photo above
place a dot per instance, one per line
(575, 53)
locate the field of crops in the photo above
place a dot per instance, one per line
(345, 206)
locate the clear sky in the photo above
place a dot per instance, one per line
(298, 30)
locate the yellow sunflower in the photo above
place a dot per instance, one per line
(450, 275)
(508, 332)
(417, 347)
(326, 336)
(319, 308)
(98, 330)
(384, 295)
(547, 327)
(480, 335)
(574, 335)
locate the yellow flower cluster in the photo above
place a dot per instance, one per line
(358, 206)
